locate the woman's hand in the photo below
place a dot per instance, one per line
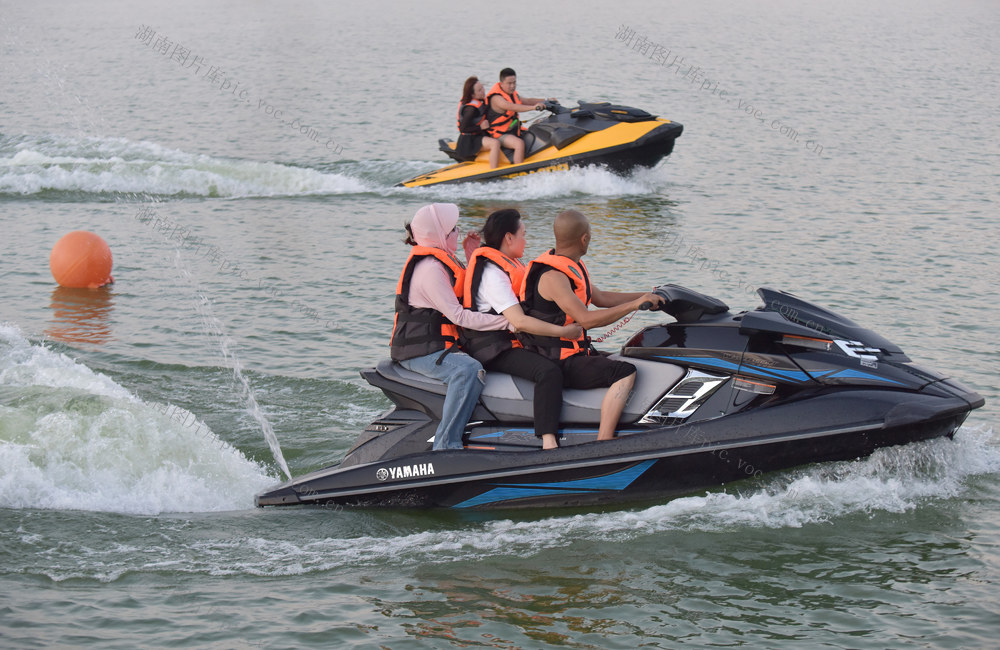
(470, 244)
(572, 332)
(472, 238)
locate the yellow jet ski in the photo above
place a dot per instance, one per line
(618, 137)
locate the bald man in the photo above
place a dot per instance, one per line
(557, 289)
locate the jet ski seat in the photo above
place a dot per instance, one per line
(532, 145)
(558, 135)
(509, 399)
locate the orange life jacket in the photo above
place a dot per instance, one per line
(419, 331)
(480, 107)
(486, 346)
(505, 122)
(535, 305)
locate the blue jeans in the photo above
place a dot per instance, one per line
(465, 378)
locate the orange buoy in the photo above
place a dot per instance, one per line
(81, 259)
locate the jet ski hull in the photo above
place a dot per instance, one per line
(619, 146)
(657, 464)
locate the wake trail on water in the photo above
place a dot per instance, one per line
(892, 480)
(591, 181)
(73, 439)
(103, 168)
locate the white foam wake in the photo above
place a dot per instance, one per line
(119, 166)
(73, 439)
(892, 480)
(592, 181)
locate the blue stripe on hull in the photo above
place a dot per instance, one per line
(617, 481)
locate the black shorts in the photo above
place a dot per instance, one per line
(593, 371)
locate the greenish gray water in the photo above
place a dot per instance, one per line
(852, 162)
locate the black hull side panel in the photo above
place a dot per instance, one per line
(625, 478)
(666, 477)
(646, 152)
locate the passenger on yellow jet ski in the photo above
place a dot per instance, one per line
(472, 124)
(503, 105)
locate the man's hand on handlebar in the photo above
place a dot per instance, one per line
(649, 301)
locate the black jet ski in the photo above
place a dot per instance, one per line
(718, 397)
(619, 137)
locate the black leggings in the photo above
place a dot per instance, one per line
(548, 379)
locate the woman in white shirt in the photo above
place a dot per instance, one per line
(492, 279)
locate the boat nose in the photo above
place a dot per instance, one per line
(281, 496)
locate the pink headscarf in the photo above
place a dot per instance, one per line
(433, 224)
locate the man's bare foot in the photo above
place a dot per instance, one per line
(549, 441)
(600, 438)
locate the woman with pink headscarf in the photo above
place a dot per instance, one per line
(429, 312)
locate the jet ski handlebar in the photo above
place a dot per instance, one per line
(554, 106)
(686, 305)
